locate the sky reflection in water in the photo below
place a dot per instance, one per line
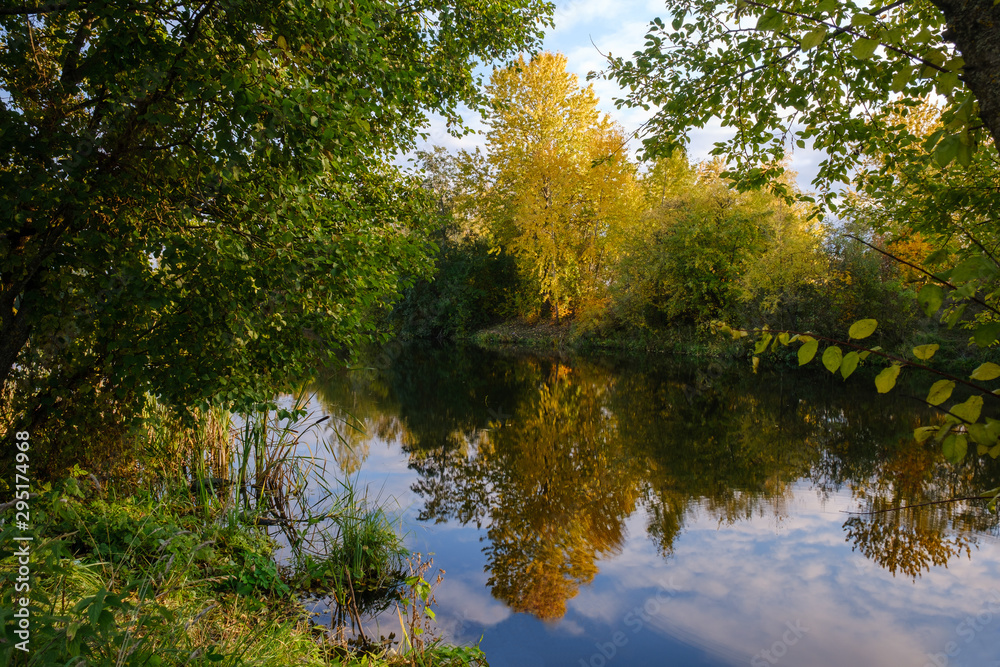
(682, 514)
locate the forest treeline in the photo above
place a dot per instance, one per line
(555, 221)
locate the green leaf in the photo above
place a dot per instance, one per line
(947, 150)
(886, 380)
(938, 256)
(849, 364)
(930, 298)
(981, 434)
(972, 268)
(808, 350)
(864, 48)
(900, 79)
(955, 447)
(986, 372)
(826, 6)
(986, 334)
(762, 343)
(964, 156)
(924, 432)
(862, 329)
(940, 392)
(770, 20)
(953, 316)
(813, 39)
(925, 352)
(832, 357)
(969, 410)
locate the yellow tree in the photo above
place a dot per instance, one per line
(563, 187)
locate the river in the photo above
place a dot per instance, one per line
(621, 511)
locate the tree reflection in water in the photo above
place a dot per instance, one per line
(583, 443)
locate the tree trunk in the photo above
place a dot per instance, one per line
(974, 28)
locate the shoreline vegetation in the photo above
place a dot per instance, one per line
(566, 337)
(214, 544)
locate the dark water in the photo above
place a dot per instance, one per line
(593, 511)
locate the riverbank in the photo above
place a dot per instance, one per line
(571, 336)
(955, 349)
(139, 565)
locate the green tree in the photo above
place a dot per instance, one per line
(703, 248)
(786, 72)
(197, 200)
(846, 76)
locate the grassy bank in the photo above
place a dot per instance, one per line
(956, 352)
(572, 336)
(171, 560)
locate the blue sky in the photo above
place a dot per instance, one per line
(586, 28)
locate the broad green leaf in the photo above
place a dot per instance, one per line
(995, 451)
(900, 79)
(832, 357)
(807, 351)
(762, 344)
(940, 392)
(925, 352)
(993, 428)
(863, 48)
(972, 268)
(964, 156)
(770, 20)
(981, 434)
(947, 150)
(783, 338)
(886, 380)
(955, 447)
(986, 372)
(969, 410)
(849, 363)
(862, 329)
(986, 334)
(924, 432)
(930, 298)
(813, 39)
(938, 256)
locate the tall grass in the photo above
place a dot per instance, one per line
(174, 561)
(343, 547)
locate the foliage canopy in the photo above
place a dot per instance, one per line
(197, 200)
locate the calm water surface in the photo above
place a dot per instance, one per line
(593, 511)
